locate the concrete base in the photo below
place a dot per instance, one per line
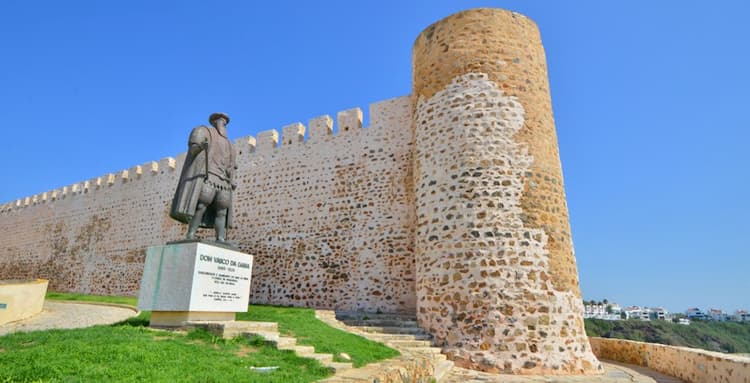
(194, 281)
(180, 318)
(21, 299)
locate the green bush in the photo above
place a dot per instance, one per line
(731, 337)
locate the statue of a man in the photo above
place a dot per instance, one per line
(204, 193)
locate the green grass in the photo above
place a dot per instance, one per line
(132, 301)
(729, 337)
(125, 353)
(302, 324)
(293, 321)
(130, 351)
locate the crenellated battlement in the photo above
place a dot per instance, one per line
(348, 121)
(321, 128)
(93, 185)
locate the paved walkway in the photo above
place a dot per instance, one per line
(62, 315)
(657, 376)
(613, 373)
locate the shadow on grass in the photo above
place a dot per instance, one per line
(141, 320)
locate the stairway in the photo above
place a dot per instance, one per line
(269, 331)
(398, 331)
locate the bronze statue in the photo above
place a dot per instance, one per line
(204, 193)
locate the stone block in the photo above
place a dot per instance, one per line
(182, 280)
(20, 299)
(321, 126)
(267, 140)
(349, 120)
(293, 134)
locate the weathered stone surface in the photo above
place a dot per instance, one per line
(21, 299)
(329, 220)
(496, 278)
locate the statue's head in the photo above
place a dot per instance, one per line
(215, 116)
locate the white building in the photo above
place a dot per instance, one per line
(742, 316)
(694, 313)
(600, 311)
(659, 313)
(637, 312)
(717, 315)
(615, 308)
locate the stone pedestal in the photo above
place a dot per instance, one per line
(194, 281)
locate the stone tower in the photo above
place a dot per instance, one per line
(497, 283)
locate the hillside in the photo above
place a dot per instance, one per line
(728, 337)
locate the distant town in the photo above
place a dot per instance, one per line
(612, 311)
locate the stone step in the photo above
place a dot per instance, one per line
(380, 322)
(424, 350)
(264, 326)
(362, 374)
(325, 314)
(391, 330)
(339, 366)
(271, 338)
(341, 315)
(231, 329)
(399, 343)
(389, 337)
(322, 358)
(269, 332)
(286, 342)
(303, 351)
(435, 357)
(442, 370)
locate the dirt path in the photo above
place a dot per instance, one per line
(62, 315)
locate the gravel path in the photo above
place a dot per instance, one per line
(61, 315)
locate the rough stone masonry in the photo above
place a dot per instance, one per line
(449, 205)
(496, 276)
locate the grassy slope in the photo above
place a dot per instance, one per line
(714, 336)
(298, 322)
(125, 353)
(302, 324)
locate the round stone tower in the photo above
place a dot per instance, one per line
(497, 283)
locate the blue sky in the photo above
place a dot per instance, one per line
(650, 100)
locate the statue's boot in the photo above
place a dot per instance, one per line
(221, 225)
(195, 222)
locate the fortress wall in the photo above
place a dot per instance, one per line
(689, 364)
(90, 237)
(329, 219)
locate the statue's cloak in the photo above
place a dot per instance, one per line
(193, 176)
